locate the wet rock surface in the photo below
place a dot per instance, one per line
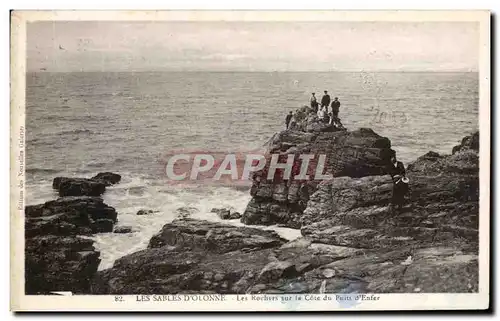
(205, 257)
(59, 263)
(95, 186)
(68, 186)
(123, 229)
(213, 237)
(226, 214)
(301, 266)
(107, 178)
(58, 255)
(69, 216)
(223, 213)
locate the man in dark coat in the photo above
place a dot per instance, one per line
(335, 107)
(288, 119)
(400, 183)
(325, 101)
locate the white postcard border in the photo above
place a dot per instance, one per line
(22, 302)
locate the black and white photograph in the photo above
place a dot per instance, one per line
(245, 162)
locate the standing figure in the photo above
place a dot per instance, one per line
(335, 107)
(400, 183)
(325, 101)
(314, 103)
(288, 119)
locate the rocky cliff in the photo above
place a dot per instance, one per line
(355, 154)
(58, 257)
(351, 241)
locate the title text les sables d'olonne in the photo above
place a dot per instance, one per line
(246, 298)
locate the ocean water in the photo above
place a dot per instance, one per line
(79, 124)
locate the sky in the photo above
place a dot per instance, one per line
(252, 46)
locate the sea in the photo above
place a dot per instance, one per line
(82, 123)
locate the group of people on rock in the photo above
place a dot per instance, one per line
(325, 102)
(331, 118)
(395, 168)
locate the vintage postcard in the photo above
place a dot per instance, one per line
(250, 160)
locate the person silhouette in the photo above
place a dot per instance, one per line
(288, 118)
(325, 101)
(336, 107)
(400, 183)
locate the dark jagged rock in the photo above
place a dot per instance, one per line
(296, 267)
(234, 216)
(344, 194)
(107, 178)
(213, 237)
(69, 216)
(443, 203)
(185, 211)
(435, 269)
(56, 258)
(191, 255)
(68, 186)
(227, 260)
(95, 186)
(355, 154)
(223, 213)
(145, 212)
(434, 238)
(226, 214)
(55, 263)
(468, 142)
(122, 229)
(169, 270)
(276, 270)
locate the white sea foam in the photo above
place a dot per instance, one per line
(136, 193)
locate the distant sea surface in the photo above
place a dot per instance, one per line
(79, 124)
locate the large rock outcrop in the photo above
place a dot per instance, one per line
(436, 232)
(59, 263)
(470, 142)
(70, 215)
(190, 256)
(231, 260)
(357, 153)
(442, 205)
(213, 237)
(107, 178)
(352, 241)
(57, 257)
(95, 186)
(69, 186)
